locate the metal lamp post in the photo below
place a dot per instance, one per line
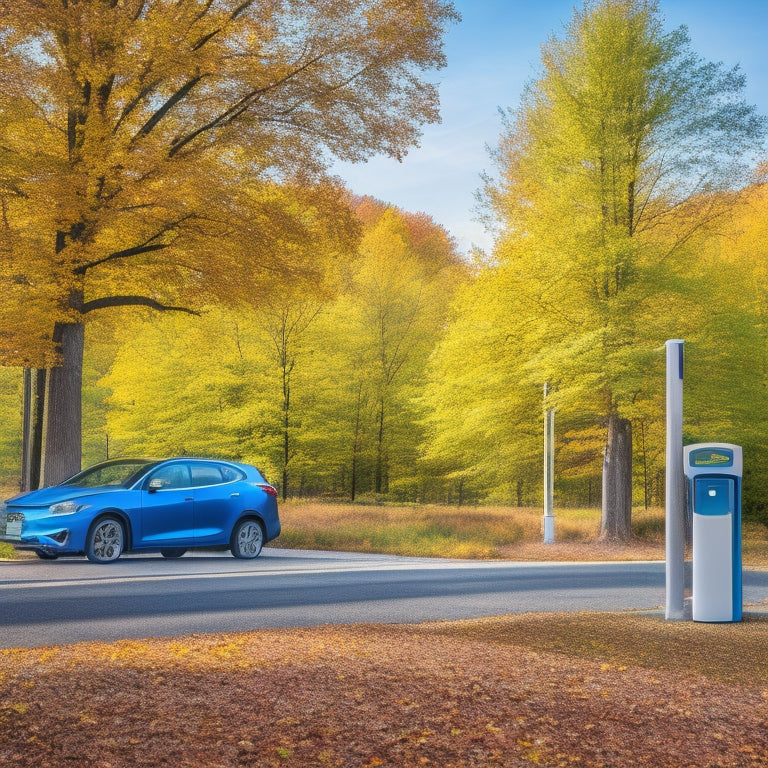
(549, 470)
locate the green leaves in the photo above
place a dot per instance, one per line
(601, 170)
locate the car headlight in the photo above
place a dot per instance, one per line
(66, 508)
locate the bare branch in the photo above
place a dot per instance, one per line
(133, 301)
(239, 107)
(169, 105)
(145, 91)
(136, 251)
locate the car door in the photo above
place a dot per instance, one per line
(217, 502)
(167, 509)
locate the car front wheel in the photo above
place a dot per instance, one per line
(247, 539)
(106, 540)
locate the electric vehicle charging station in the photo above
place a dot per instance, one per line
(714, 473)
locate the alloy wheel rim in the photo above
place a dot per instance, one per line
(249, 538)
(107, 541)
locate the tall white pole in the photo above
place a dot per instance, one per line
(675, 484)
(549, 471)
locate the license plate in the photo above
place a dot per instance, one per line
(12, 525)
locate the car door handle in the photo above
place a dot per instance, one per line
(234, 495)
(189, 498)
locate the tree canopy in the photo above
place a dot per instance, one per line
(606, 170)
(171, 156)
(173, 152)
(322, 394)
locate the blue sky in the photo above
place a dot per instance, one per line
(491, 55)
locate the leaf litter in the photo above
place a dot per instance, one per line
(596, 690)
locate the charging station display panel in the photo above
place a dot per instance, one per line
(710, 457)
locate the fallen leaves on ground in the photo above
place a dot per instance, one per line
(610, 690)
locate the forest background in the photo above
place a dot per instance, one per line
(366, 358)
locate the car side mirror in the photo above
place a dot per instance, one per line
(155, 485)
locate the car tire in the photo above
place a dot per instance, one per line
(172, 552)
(106, 540)
(247, 539)
(45, 555)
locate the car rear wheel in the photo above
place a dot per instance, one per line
(172, 552)
(106, 540)
(247, 539)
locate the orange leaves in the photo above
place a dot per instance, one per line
(167, 125)
(451, 695)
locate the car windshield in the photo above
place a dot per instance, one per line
(118, 473)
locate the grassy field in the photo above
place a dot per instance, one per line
(474, 533)
(479, 532)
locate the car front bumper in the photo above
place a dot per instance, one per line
(52, 543)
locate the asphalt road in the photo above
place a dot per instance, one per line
(71, 600)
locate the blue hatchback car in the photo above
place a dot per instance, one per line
(136, 505)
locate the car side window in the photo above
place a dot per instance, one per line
(230, 474)
(206, 474)
(171, 476)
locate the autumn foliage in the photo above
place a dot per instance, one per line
(593, 690)
(175, 255)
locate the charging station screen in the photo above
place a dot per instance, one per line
(711, 457)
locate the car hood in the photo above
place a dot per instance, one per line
(56, 493)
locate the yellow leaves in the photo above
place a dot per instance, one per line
(179, 649)
(225, 651)
(48, 654)
(127, 650)
(148, 137)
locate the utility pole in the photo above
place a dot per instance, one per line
(549, 470)
(675, 485)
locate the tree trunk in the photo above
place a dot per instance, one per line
(286, 433)
(356, 442)
(616, 524)
(63, 440)
(379, 475)
(32, 442)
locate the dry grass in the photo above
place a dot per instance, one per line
(479, 532)
(590, 691)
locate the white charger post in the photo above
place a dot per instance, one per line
(714, 473)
